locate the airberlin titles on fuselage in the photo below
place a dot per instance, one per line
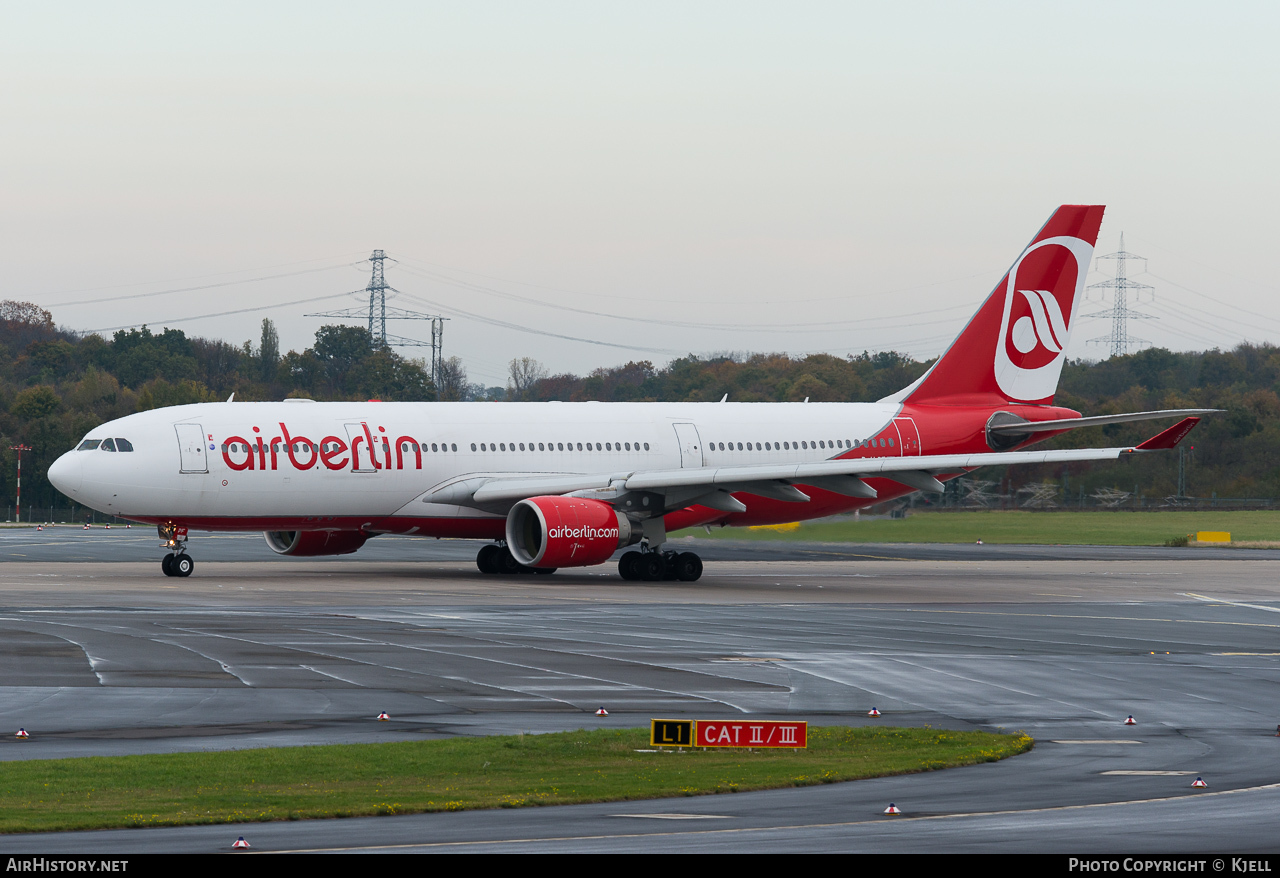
(332, 451)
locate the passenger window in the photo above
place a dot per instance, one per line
(89, 444)
(890, 442)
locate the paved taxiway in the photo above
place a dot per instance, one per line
(111, 657)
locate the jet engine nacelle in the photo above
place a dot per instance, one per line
(303, 543)
(565, 532)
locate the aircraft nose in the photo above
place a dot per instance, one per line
(66, 473)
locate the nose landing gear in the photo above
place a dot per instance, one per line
(177, 562)
(177, 565)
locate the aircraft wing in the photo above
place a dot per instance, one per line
(712, 486)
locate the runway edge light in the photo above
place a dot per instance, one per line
(1200, 784)
(1130, 721)
(383, 717)
(240, 844)
(892, 809)
(22, 733)
(602, 712)
(873, 712)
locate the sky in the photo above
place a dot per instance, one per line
(588, 184)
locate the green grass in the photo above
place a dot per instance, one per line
(1110, 528)
(451, 775)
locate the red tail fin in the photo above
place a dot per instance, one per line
(1014, 347)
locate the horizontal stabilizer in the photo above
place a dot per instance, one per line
(1018, 427)
(1171, 437)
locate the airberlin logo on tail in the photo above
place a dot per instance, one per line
(1042, 291)
(1043, 326)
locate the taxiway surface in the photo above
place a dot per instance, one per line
(110, 657)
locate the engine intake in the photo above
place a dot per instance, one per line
(306, 543)
(552, 532)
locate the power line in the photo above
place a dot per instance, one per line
(219, 313)
(682, 301)
(816, 326)
(186, 289)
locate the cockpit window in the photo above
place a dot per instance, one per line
(89, 444)
(123, 444)
(108, 445)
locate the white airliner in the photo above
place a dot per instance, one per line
(568, 484)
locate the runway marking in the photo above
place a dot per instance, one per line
(903, 818)
(1135, 772)
(1201, 597)
(911, 609)
(1098, 741)
(675, 816)
(331, 676)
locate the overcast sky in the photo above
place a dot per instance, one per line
(722, 176)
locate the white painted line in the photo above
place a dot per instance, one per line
(1096, 741)
(1133, 772)
(674, 816)
(1201, 597)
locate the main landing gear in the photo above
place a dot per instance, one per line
(177, 562)
(497, 558)
(657, 566)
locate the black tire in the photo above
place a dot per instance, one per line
(166, 564)
(544, 571)
(182, 565)
(486, 559)
(505, 563)
(651, 567)
(688, 567)
(627, 566)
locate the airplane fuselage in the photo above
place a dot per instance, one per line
(369, 466)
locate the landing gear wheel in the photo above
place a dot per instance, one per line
(166, 564)
(487, 559)
(506, 563)
(627, 565)
(650, 567)
(687, 567)
(544, 571)
(182, 565)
